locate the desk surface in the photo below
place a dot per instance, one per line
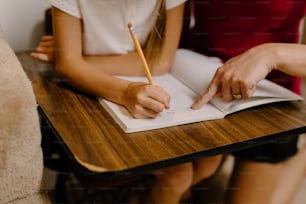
(98, 144)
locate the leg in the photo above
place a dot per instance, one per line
(170, 183)
(290, 178)
(252, 182)
(259, 170)
(204, 168)
(212, 189)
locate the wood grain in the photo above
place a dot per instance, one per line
(99, 145)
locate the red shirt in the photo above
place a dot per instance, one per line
(229, 27)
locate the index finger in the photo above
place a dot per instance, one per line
(211, 91)
(160, 95)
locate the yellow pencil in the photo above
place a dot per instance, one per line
(140, 53)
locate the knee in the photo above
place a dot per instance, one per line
(177, 177)
(206, 167)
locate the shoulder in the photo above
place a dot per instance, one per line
(72, 7)
(173, 3)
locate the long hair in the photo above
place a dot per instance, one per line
(155, 40)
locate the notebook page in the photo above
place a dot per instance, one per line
(194, 70)
(266, 92)
(179, 113)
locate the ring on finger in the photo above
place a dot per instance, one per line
(237, 96)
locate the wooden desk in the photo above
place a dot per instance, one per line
(98, 146)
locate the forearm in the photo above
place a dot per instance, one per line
(85, 77)
(291, 58)
(126, 65)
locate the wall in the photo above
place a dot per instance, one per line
(21, 22)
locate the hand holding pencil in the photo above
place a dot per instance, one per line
(141, 99)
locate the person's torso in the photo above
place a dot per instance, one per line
(105, 24)
(228, 28)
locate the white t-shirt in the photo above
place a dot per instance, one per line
(105, 22)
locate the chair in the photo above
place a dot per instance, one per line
(21, 161)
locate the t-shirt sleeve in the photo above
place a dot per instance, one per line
(173, 3)
(72, 7)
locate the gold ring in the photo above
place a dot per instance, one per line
(237, 96)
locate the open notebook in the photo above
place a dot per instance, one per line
(188, 78)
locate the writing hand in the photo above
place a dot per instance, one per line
(145, 101)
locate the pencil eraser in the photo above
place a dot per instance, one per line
(130, 24)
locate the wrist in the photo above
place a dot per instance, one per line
(279, 56)
(124, 94)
